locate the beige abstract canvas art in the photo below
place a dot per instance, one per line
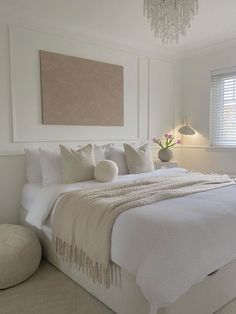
(77, 91)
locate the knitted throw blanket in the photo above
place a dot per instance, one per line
(83, 219)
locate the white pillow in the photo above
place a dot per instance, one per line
(77, 165)
(101, 151)
(51, 167)
(33, 166)
(139, 159)
(117, 154)
(106, 171)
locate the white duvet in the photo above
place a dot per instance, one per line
(170, 245)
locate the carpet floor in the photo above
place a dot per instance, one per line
(49, 291)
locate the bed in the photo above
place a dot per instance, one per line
(205, 296)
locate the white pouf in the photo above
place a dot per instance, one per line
(106, 171)
(20, 254)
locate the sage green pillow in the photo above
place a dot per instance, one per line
(77, 165)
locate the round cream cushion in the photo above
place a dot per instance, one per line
(106, 171)
(20, 254)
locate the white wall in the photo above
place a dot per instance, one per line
(196, 106)
(150, 101)
(12, 169)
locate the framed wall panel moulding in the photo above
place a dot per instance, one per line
(77, 91)
(115, 118)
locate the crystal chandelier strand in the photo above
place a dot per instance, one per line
(170, 18)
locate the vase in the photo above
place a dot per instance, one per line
(165, 154)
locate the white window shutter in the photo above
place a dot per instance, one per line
(223, 110)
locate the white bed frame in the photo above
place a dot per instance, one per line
(203, 298)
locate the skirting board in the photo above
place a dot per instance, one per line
(205, 297)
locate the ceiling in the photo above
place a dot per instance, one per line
(122, 21)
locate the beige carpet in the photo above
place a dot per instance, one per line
(49, 291)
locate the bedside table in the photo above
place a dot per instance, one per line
(164, 165)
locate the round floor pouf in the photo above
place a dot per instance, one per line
(20, 254)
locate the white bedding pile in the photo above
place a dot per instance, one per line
(170, 245)
(38, 199)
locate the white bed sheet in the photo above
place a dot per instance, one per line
(33, 193)
(38, 199)
(173, 244)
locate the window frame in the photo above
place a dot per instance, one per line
(223, 73)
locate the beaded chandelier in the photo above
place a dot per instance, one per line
(170, 18)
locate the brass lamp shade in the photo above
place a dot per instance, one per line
(186, 130)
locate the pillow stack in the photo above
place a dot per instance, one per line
(46, 167)
(70, 165)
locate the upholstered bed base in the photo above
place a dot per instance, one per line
(203, 298)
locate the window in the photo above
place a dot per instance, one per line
(223, 109)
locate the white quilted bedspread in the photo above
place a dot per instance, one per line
(170, 245)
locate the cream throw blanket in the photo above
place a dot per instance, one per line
(83, 220)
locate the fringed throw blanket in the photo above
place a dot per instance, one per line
(83, 219)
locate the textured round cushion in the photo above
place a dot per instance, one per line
(20, 254)
(106, 171)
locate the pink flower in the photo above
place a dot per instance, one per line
(156, 140)
(179, 142)
(169, 136)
